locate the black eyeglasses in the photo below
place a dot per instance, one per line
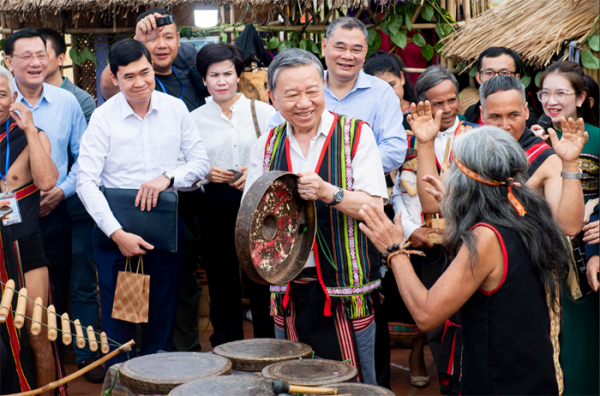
(489, 73)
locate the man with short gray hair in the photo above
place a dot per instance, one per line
(349, 91)
(331, 304)
(557, 177)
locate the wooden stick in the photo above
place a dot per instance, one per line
(104, 343)
(66, 328)
(92, 339)
(7, 296)
(80, 341)
(36, 324)
(311, 390)
(21, 305)
(123, 348)
(52, 331)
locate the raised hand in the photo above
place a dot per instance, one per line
(572, 141)
(379, 229)
(24, 118)
(438, 189)
(422, 123)
(146, 29)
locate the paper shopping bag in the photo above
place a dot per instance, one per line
(132, 294)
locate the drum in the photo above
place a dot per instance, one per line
(256, 354)
(311, 372)
(356, 389)
(275, 229)
(161, 372)
(230, 385)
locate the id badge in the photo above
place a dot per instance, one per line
(15, 216)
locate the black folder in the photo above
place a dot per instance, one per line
(157, 226)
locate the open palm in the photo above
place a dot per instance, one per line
(574, 137)
(422, 122)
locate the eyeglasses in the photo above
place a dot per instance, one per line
(27, 58)
(560, 96)
(489, 73)
(354, 50)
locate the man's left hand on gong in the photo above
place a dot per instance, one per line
(311, 187)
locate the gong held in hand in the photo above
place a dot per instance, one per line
(275, 229)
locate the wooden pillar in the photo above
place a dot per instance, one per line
(232, 21)
(466, 4)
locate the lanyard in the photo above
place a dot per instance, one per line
(180, 82)
(7, 157)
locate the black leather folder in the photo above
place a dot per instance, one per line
(157, 226)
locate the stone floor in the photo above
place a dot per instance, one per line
(400, 376)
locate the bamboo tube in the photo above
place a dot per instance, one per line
(80, 340)
(66, 328)
(52, 331)
(7, 296)
(21, 305)
(36, 324)
(92, 339)
(467, 9)
(104, 343)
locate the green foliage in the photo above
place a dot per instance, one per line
(474, 70)
(538, 76)
(399, 38)
(438, 47)
(224, 37)
(419, 40)
(427, 12)
(594, 43)
(273, 43)
(589, 60)
(384, 26)
(185, 31)
(80, 57)
(374, 40)
(2, 42)
(526, 80)
(407, 20)
(395, 24)
(427, 51)
(286, 45)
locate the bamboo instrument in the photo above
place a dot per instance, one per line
(79, 339)
(36, 325)
(92, 339)
(104, 343)
(52, 331)
(20, 311)
(6, 300)
(66, 328)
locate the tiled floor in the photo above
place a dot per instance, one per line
(400, 376)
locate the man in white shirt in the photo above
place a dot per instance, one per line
(332, 307)
(133, 141)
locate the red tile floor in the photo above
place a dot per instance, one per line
(400, 376)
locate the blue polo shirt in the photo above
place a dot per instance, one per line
(59, 115)
(371, 100)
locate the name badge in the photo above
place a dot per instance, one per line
(15, 216)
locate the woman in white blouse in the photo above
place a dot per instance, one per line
(228, 130)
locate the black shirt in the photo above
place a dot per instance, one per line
(172, 85)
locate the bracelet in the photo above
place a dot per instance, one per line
(397, 249)
(566, 175)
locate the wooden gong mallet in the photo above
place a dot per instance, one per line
(284, 387)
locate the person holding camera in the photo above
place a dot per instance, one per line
(229, 125)
(133, 142)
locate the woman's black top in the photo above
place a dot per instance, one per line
(511, 343)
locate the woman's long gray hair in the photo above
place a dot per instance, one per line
(493, 153)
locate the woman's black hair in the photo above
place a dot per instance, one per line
(592, 92)
(126, 51)
(219, 52)
(381, 62)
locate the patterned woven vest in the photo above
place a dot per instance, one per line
(352, 276)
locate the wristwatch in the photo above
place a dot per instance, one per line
(170, 176)
(566, 175)
(337, 197)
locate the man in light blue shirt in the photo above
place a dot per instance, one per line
(351, 92)
(58, 114)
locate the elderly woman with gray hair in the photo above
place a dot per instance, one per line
(505, 283)
(330, 305)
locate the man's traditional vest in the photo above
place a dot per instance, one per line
(347, 262)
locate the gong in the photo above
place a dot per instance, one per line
(239, 385)
(255, 354)
(311, 372)
(356, 389)
(275, 229)
(161, 372)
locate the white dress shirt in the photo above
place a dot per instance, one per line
(122, 150)
(228, 142)
(367, 171)
(441, 140)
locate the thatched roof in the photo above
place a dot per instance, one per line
(55, 6)
(535, 29)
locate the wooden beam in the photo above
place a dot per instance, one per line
(322, 28)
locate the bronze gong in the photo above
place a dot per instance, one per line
(255, 354)
(275, 229)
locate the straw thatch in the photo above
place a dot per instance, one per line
(535, 29)
(55, 6)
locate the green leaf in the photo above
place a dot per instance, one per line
(303, 45)
(419, 40)
(385, 28)
(287, 44)
(273, 43)
(399, 38)
(427, 51)
(224, 37)
(589, 60)
(448, 29)
(407, 19)
(372, 34)
(446, 16)
(185, 32)
(395, 24)
(2, 42)
(315, 49)
(374, 41)
(473, 71)
(439, 30)
(86, 54)
(293, 36)
(537, 78)
(427, 13)
(237, 33)
(526, 80)
(594, 43)
(438, 47)
(75, 56)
